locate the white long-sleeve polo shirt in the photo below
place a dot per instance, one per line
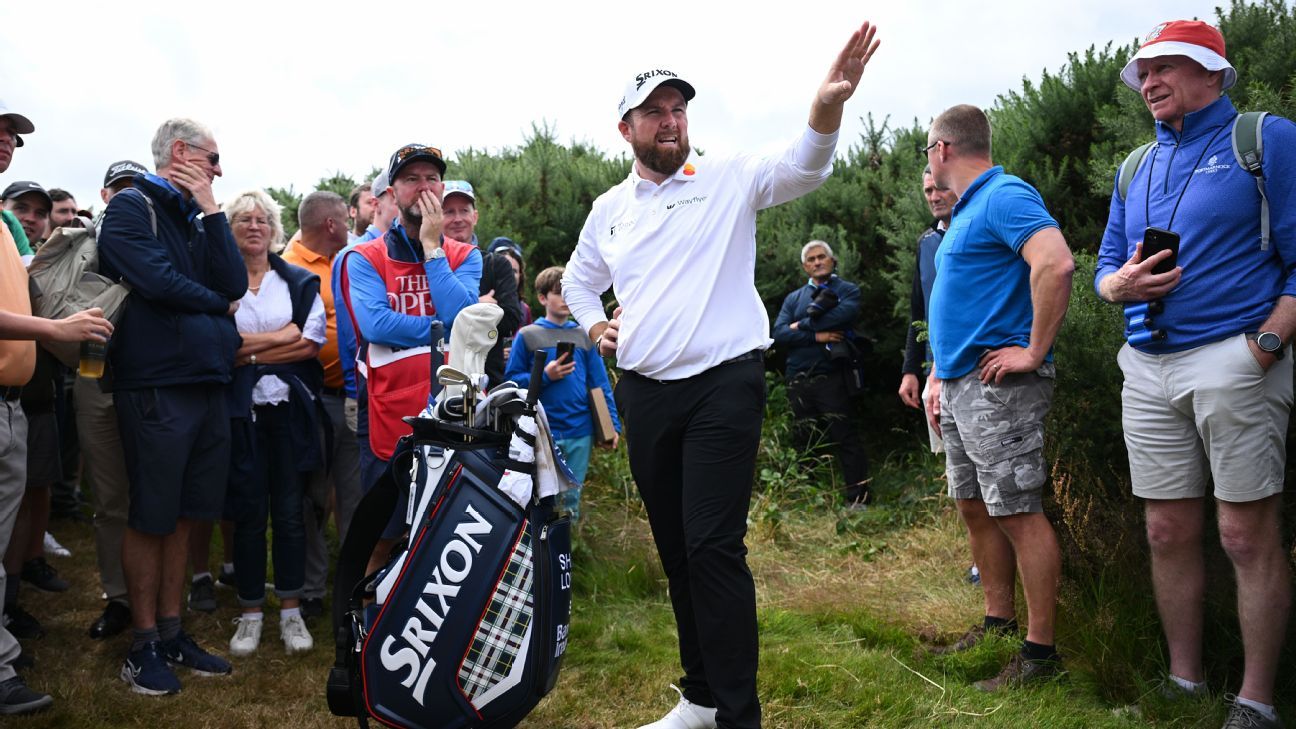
(681, 257)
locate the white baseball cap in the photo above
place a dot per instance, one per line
(643, 84)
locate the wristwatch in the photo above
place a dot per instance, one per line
(1269, 342)
(438, 253)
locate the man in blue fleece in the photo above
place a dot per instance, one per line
(171, 358)
(1212, 398)
(568, 379)
(395, 288)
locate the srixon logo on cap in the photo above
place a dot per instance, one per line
(1156, 33)
(433, 608)
(642, 78)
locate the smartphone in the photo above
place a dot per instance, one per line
(1156, 240)
(567, 348)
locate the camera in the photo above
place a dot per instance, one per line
(822, 302)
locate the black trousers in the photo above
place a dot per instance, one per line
(692, 446)
(824, 400)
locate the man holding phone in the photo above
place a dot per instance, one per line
(1211, 398)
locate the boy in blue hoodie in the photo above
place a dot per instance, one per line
(568, 379)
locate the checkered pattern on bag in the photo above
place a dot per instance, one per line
(498, 640)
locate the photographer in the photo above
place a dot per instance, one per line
(815, 326)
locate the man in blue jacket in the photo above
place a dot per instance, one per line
(815, 325)
(396, 288)
(170, 360)
(1211, 398)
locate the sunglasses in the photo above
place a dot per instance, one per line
(212, 157)
(408, 151)
(922, 151)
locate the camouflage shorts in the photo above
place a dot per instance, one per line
(994, 439)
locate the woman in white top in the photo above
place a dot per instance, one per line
(275, 432)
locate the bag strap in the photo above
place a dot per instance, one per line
(1131, 165)
(1248, 149)
(366, 528)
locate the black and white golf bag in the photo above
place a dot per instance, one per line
(466, 626)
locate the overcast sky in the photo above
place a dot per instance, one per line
(294, 95)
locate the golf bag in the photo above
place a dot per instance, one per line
(466, 626)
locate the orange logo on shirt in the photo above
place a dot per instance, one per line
(689, 169)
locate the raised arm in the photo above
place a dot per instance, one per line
(842, 79)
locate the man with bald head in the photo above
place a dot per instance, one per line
(322, 217)
(1003, 283)
(693, 388)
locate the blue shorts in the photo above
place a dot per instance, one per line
(176, 443)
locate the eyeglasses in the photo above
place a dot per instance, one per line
(212, 157)
(922, 151)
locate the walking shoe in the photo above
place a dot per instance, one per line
(974, 575)
(183, 651)
(16, 698)
(971, 638)
(202, 595)
(1022, 671)
(312, 607)
(226, 578)
(1244, 717)
(147, 672)
(116, 617)
(685, 715)
(53, 547)
(296, 638)
(247, 637)
(38, 572)
(1171, 690)
(21, 623)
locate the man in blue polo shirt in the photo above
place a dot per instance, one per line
(1213, 397)
(1003, 281)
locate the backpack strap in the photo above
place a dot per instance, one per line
(1248, 149)
(1131, 165)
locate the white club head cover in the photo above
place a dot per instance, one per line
(471, 338)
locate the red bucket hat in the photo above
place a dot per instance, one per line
(1199, 41)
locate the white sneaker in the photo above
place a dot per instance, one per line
(296, 638)
(247, 637)
(685, 715)
(53, 547)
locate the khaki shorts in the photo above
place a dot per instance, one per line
(1211, 411)
(994, 439)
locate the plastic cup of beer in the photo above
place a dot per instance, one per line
(93, 353)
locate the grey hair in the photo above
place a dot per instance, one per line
(185, 130)
(247, 201)
(805, 249)
(315, 208)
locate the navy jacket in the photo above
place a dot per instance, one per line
(805, 355)
(916, 353)
(175, 329)
(305, 379)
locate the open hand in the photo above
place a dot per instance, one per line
(844, 75)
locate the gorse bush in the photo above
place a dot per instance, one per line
(1064, 132)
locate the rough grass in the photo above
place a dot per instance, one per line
(845, 604)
